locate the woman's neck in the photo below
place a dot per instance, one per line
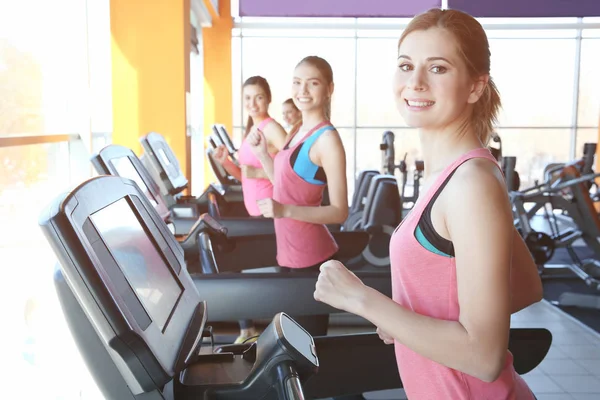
(311, 119)
(440, 147)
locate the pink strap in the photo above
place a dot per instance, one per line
(264, 123)
(476, 153)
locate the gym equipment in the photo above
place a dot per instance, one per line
(220, 130)
(417, 176)
(139, 323)
(220, 172)
(513, 180)
(222, 249)
(496, 150)
(363, 246)
(388, 153)
(164, 167)
(381, 215)
(359, 197)
(388, 157)
(567, 191)
(139, 320)
(508, 164)
(585, 165)
(120, 161)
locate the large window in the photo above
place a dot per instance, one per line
(276, 57)
(589, 83)
(376, 66)
(535, 78)
(547, 78)
(55, 90)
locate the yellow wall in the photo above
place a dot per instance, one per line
(217, 74)
(149, 65)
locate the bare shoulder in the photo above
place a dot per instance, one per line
(477, 189)
(328, 147)
(329, 143)
(478, 176)
(329, 138)
(273, 127)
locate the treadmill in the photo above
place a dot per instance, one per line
(224, 178)
(140, 323)
(121, 161)
(164, 167)
(221, 131)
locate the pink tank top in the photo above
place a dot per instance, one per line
(299, 244)
(425, 283)
(254, 189)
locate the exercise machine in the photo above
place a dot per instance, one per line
(164, 167)
(567, 192)
(359, 199)
(388, 158)
(140, 323)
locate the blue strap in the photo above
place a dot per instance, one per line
(303, 166)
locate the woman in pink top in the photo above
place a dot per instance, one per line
(291, 115)
(312, 158)
(459, 267)
(255, 183)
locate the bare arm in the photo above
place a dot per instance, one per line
(275, 136)
(525, 281)
(480, 226)
(327, 152)
(251, 172)
(232, 169)
(268, 166)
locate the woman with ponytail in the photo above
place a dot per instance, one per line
(256, 97)
(312, 159)
(459, 267)
(291, 115)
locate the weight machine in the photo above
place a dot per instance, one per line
(388, 166)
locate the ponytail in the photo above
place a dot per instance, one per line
(485, 112)
(249, 125)
(327, 109)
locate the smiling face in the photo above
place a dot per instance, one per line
(310, 89)
(290, 113)
(432, 86)
(256, 101)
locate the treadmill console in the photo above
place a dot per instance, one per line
(128, 273)
(296, 342)
(272, 368)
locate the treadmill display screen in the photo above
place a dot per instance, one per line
(163, 156)
(126, 169)
(299, 339)
(137, 256)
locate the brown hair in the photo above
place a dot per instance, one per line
(325, 69)
(474, 49)
(264, 85)
(291, 103)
